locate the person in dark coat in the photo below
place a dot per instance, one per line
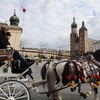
(3, 39)
(3, 45)
(8, 35)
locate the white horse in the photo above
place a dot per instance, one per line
(70, 73)
(92, 74)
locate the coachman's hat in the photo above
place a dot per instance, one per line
(4, 28)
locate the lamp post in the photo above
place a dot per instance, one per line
(59, 55)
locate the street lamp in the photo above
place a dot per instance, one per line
(59, 55)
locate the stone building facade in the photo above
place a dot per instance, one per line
(78, 42)
(15, 31)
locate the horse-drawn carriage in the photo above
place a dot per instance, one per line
(14, 86)
(65, 73)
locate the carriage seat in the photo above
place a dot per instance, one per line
(3, 56)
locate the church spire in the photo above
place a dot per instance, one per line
(14, 12)
(74, 25)
(74, 19)
(14, 20)
(83, 26)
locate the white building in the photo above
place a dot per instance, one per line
(90, 44)
(96, 45)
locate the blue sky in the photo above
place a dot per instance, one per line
(47, 23)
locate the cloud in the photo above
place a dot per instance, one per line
(47, 23)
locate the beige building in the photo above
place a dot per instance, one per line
(96, 45)
(65, 54)
(15, 31)
(34, 52)
(91, 44)
(52, 53)
(15, 38)
(29, 52)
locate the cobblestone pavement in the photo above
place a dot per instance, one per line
(66, 93)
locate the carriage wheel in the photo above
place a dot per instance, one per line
(14, 90)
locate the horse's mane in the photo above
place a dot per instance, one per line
(95, 54)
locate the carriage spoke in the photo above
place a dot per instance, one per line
(21, 97)
(19, 92)
(3, 98)
(14, 90)
(4, 92)
(8, 89)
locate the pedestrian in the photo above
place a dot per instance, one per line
(4, 42)
(37, 64)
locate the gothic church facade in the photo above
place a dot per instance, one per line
(78, 42)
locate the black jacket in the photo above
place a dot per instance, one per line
(3, 41)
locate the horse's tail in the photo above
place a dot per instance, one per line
(44, 71)
(51, 78)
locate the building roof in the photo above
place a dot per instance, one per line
(74, 25)
(13, 27)
(91, 40)
(83, 26)
(14, 20)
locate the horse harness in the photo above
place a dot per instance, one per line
(54, 66)
(72, 72)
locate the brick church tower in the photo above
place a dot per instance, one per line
(83, 39)
(78, 42)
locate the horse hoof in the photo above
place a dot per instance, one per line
(72, 89)
(48, 94)
(81, 94)
(85, 96)
(57, 99)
